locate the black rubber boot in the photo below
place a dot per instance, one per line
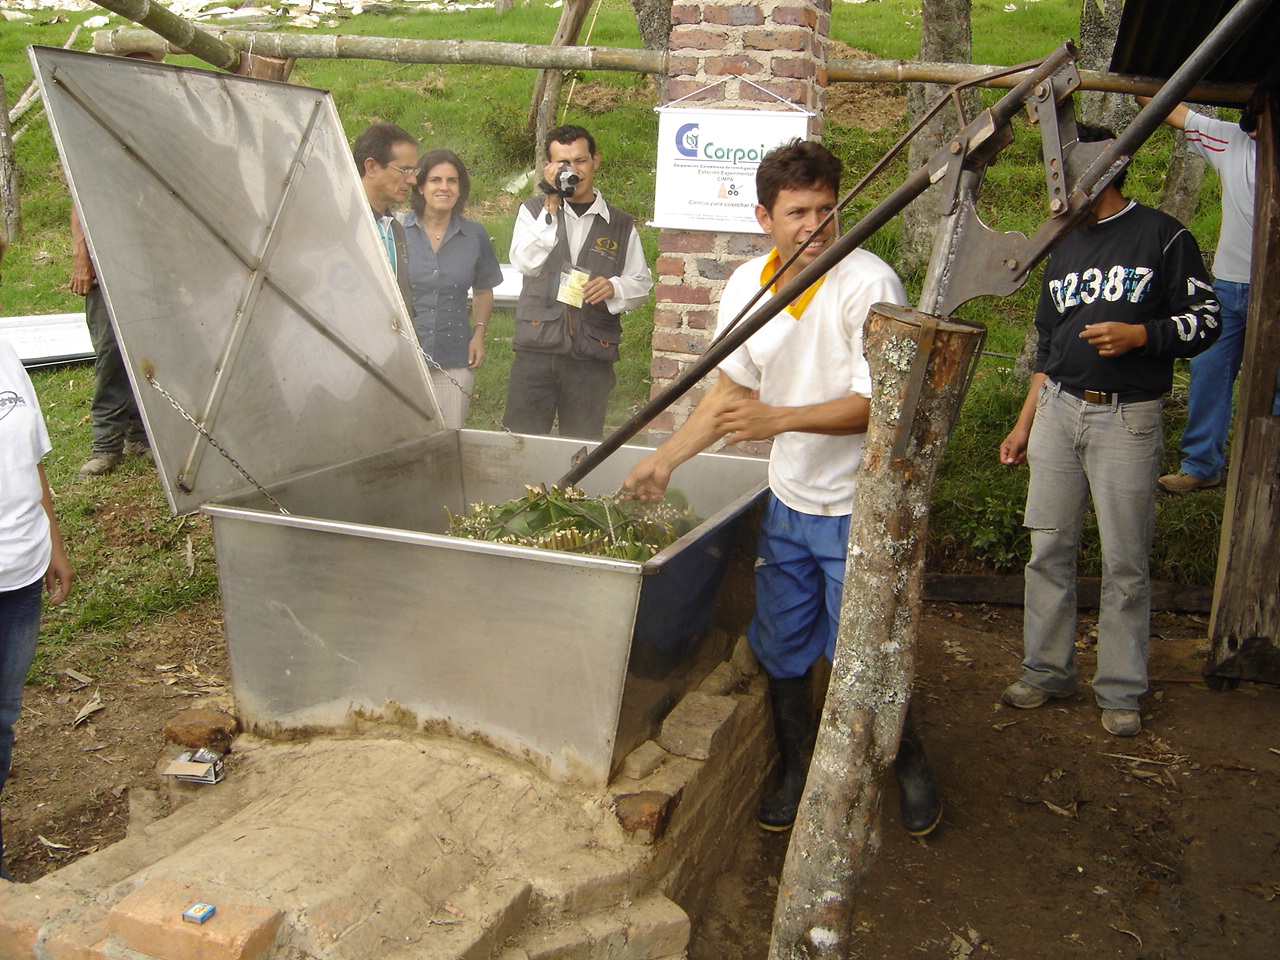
(919, 797)
(796, 728)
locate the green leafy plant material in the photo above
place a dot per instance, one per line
(554, 519)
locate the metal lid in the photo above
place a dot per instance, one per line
(243, 270)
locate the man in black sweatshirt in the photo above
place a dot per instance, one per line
(1123, 296)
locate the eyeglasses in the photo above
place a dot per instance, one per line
(401, 170)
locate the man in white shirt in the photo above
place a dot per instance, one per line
(803, 381)
(583, 267)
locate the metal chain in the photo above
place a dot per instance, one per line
(214, 443)
(475, 398)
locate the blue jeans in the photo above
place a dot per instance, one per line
(1110, 452)
(19, 627)
(799, 581)
(1213, 377)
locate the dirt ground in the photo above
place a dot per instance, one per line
(1057, 840)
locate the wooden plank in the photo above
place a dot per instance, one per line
(1245, 624)
(962, 588)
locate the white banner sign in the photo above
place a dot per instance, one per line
(707, 163)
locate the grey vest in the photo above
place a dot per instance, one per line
(589, 332)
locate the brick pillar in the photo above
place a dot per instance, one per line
(781, 45)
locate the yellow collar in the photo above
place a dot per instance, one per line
(796, 306)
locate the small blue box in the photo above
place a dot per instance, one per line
(199, 912)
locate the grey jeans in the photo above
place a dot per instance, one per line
(1110, 452)
(114, 414)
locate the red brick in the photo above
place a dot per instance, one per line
(738, 65)
(698, 38)
(681, 88)
(84, 938)
(792, 90)
(737, 15)
(149, 920)
(669, 266)
(798, 67)
(700, 319)
(682, 67)
(644, 815)
(795, 16)
(664, 368)
(677, 342)
(682, 13)
(667, 317)
(681, 293)
(784, 38)
(686, 241)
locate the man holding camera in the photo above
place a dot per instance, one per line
(583, 266)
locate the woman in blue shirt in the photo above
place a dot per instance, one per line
(448, 256)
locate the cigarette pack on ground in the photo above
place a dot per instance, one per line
(199, 912)
(196, 766)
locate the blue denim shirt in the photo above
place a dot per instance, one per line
(465, 261)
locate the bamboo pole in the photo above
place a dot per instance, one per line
(10, 204)
(540, 57)
(31, 95)
(173, 28)
(323, 46)
(920, 366)
(903, 71)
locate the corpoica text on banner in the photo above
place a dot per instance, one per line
(707, 163)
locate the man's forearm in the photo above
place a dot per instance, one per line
(700, 430)
(842, 417)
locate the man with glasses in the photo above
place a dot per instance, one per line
(386, 157)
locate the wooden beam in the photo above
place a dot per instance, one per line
(322, 46)
(977, 588)
(1245, 625)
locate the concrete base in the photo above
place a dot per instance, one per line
(396, 847)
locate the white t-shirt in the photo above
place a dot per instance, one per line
(25, 546)
(1234, 155)
(818, 357)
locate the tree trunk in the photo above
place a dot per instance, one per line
(945, 36)
(653, 17)
(10, 209)
(1099, 25)
(837, 832)
(546, 87)
(1181, 194)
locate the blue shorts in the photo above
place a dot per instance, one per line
(799, 581)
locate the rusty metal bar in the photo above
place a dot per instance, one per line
(978, 132)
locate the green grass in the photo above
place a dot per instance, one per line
(131, 554)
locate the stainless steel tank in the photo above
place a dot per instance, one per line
(285, 396)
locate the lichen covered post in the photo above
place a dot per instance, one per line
(920, 366)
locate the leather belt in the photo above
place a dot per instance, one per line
(1101, 396)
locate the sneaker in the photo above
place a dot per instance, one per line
(1184, 482)
(1122, 723)
(1026, 697)
(137, 448)
(102, 462)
